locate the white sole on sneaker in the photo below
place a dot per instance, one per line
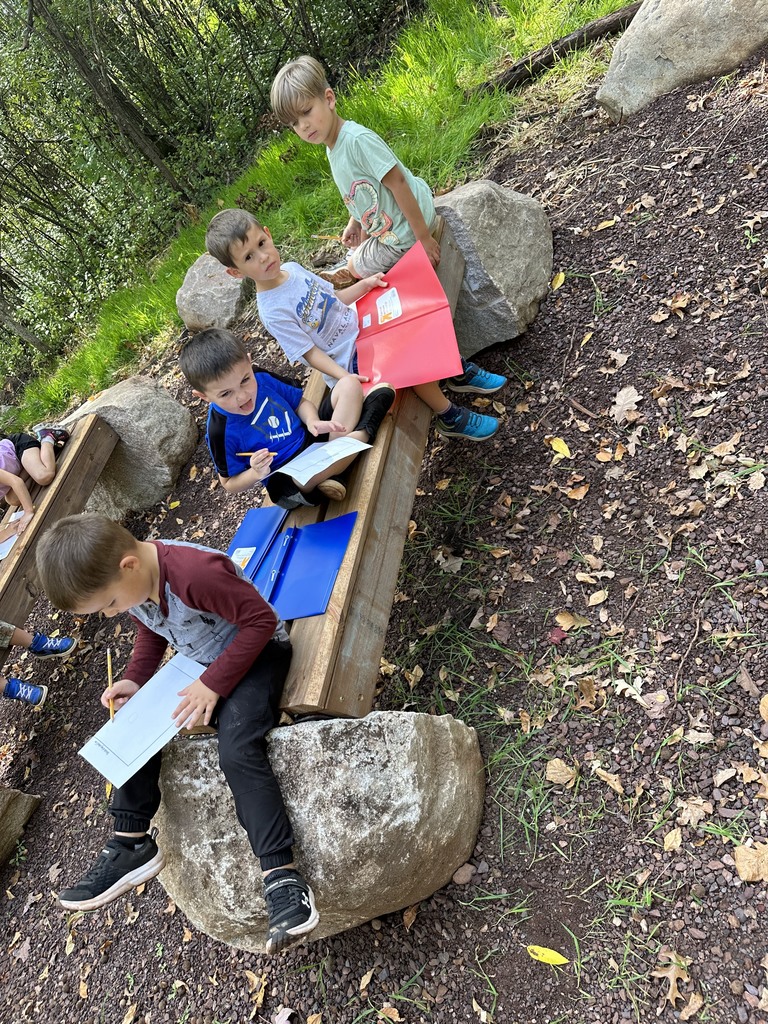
(130, 881)
(286, 937)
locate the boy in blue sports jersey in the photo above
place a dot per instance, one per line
(257, 423)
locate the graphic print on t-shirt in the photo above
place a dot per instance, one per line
(375, 222)
(313, 307)
(273, 421)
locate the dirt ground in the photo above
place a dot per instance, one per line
(599, 570)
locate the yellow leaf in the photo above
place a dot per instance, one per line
(315, 1018)
(577, 493)
(567, 620)
(69, 945)
(704, 411)
(752, 862)
(610, 779)
(605, 224)
(597, 598)
(499, 552)
(83, 989)
(764, 708)
(559, 446)
(604, 455)
(492, 623)
(193, 473)
(673, 840)
(557, 281)
(385, 1013)
(442, 484)
(130, 1014)
(547, 956)
(366, 980)
(174, 504)
(108, 790)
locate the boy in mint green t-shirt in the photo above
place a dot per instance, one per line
(390, 210)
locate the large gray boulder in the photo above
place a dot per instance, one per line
(210, 297)
(157, 436)
(384, 810)
(506, 241)
(670, 43)
(15, 811)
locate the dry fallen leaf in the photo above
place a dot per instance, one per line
(752, 862)
(409, 916)
(610, 779)
(673, 840)
(692, 1007)
(624, 404)
(673, 973)
(366, 980)
(557, 281)
(561, 773)
(597, 598)
(764, 708)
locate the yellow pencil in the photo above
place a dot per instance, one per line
(109, 678)
(247, 455)
(327, 238)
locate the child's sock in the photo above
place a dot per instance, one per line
(451, 415)
(131, 842)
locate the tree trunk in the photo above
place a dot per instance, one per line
(541, 60)
(20, 331)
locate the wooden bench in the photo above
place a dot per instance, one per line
(77, 470)
(337, 655)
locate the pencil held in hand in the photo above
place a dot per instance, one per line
(247, 455)
(109, 680)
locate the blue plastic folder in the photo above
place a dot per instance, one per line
(294, 570)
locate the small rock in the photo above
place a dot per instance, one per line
(464, 874)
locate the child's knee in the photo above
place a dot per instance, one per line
(44, 476)
(347, 387)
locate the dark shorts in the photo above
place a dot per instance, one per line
(280, 487)
(22, 442)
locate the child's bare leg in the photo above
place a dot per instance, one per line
(432, 396)
(40, 463)
(21, 638)
(334, 470)
(347, 404)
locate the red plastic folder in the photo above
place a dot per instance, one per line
(406, 329)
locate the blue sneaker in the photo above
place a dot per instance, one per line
(476, 381)
(52, 646)
(17, 689)
(470, 425)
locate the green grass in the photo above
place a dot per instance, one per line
(417, 101)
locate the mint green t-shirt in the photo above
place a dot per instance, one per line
(359, 160)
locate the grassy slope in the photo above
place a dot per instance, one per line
(417, 102)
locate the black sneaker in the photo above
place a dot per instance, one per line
(115, 871)
(290, 908)
(375, 407)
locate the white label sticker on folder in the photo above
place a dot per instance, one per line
(367, 320)
(242, 556)
(389, 306)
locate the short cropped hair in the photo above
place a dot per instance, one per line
(226, 227)
(80, 555)
(299, 80)
(207, 356)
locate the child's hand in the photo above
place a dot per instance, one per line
(23, 523)
(316, 427)
(352, 235)
(199, 702)
(120, 692)
(261, 461)
(432, 249)
(374, 281)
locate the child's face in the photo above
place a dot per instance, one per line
(256, 257)
(235, 392)
(133, 585)
(317, 121)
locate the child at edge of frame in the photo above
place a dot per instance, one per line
(200, 601)
(390, 210)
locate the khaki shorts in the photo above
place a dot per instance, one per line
(374, 257)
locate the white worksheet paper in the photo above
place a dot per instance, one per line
(321, 456)
(6, 546)
(143, 725)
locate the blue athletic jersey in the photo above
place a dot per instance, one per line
(273, 425)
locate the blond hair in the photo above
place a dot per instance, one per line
(81, 555)
(226, 227)
(299, 80)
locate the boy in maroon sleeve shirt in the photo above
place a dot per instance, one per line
(197, 600)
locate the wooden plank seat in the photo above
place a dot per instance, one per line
(336, 656)
(77, 470)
